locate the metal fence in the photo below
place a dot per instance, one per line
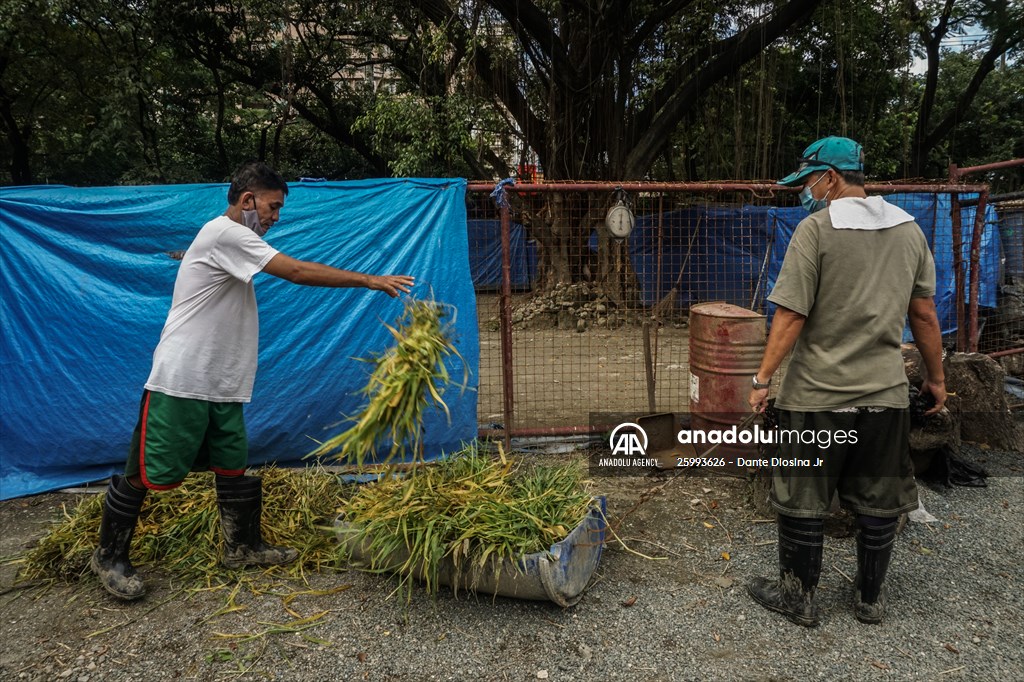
(1001, 324)
(574, 320)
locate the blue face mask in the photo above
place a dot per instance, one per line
(808, 201)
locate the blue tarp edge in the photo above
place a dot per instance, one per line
(86, 281)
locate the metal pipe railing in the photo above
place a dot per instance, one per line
(958, 271)
(752, 188)
(550, 431)
(956, 173)
(507, 376)
(975, 273)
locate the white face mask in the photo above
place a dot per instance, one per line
(251, 219)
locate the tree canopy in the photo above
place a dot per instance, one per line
(107, 92)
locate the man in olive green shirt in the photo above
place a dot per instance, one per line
(854, 271)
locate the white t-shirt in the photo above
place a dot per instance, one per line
(209, 344)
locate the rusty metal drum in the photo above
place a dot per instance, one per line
(727, 343)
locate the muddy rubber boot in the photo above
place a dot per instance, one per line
(874, 550)
(110, 560)
(792, 595)
(240, 499)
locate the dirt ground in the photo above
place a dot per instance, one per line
(667, 605)
(670, 607)
(561, 376)
(77, 632)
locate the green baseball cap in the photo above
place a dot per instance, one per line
(837, 153)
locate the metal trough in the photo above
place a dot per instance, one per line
(560, 574)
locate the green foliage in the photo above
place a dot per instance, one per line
(855, 70)
(419, 136)
(407, 378)
(994, 128)
(108, 92)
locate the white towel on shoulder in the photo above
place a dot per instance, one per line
(872, 213)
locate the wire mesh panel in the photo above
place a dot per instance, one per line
(602, 278)
(948, 224)
(1002, 328)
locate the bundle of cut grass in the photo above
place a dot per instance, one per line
(468, 510)
(179, 529)
(406, 378)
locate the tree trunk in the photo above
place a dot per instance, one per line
(218, 132)
(918, 149)
(926, 140)
(18, 137)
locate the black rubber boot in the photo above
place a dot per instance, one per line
(240, 499)
(800, 547)
(110, 560)
(874, 550)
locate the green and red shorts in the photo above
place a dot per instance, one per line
(177, 435)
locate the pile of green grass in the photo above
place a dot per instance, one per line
(179, 529)
(469, 509)
(407, 378)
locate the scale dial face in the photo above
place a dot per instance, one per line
(619, 221)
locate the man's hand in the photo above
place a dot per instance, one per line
(937, 389)
(758, 399)
(392, 285)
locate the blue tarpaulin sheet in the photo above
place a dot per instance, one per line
(485, 255)
(933, 213)
(87, 278)
(722, 250)
(730, 259)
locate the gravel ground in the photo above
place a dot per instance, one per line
(956, 607)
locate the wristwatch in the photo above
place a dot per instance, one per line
(758, 385)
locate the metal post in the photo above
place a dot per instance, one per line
(958, 273)
(505, 314)
(762, 190)
(979, 228)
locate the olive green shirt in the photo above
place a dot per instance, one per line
(854, 287)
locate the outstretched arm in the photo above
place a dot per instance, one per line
(319, 275)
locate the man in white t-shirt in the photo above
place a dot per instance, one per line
(190, 417)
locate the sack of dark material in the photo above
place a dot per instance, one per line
(949, 467)
(946, 465)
